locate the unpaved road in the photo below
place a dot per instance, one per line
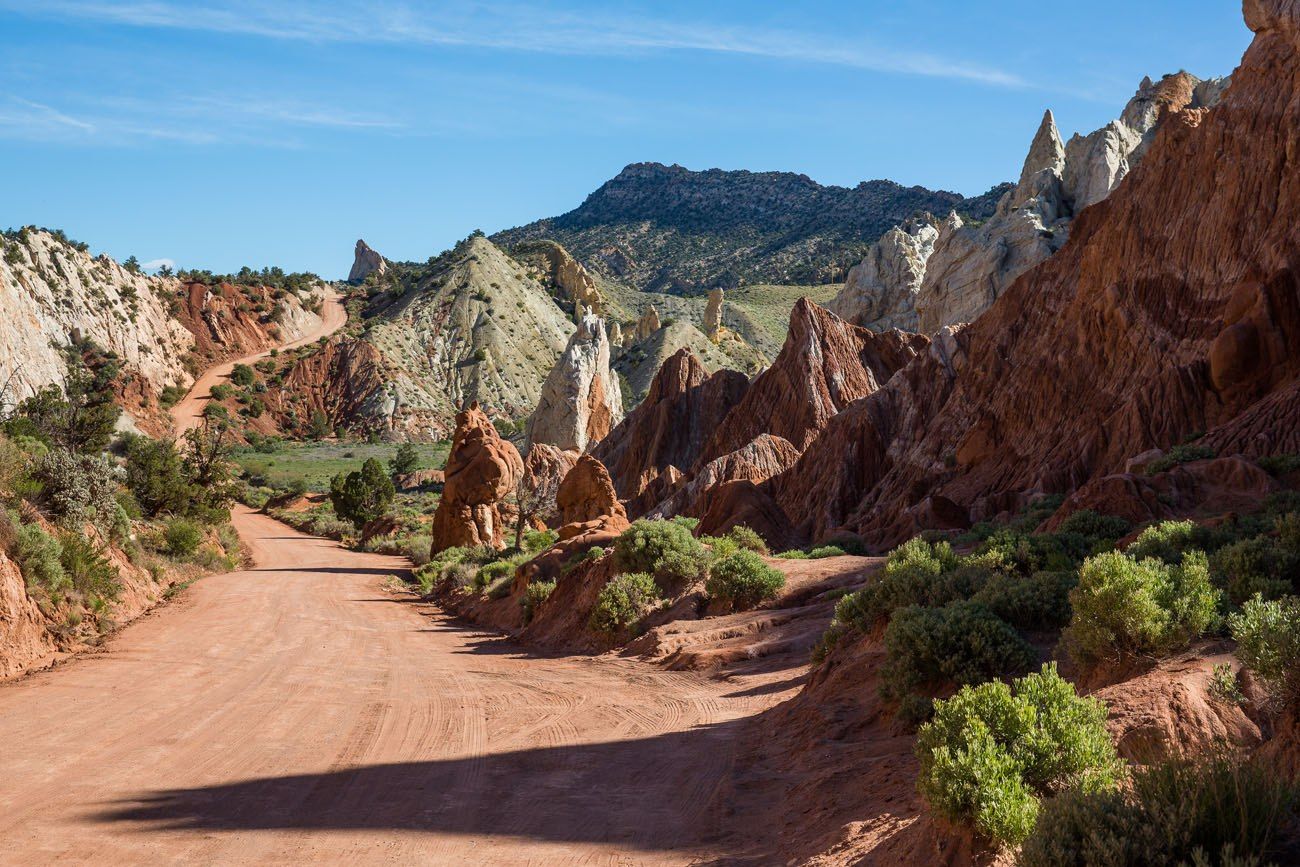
(297, 712)
(188, 412)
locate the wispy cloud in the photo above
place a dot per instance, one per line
(155, 264)
(506, 27)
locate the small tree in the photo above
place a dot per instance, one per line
(242, 375)
(405, 460)
(362, 495)
(155, 476)
(534, 498)
(207, 468)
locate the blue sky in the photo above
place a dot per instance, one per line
(229, 132)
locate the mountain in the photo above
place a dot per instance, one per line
(666, 228)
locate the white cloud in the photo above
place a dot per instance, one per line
(505, 27)
(155, 264)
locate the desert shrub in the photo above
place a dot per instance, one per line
(490, 572)
(1184, 453)
(221, 391)
(622, 601)
(181, 538)
(536, 541)
(1216, 806)
(242, 375)
(849, 543)
(536, 593)
(683, 521)
(1280, 465)
(39, 558)
(1125, 607)
(416, 548)
(1267, 633)
(793, 554)
(992, 751)
(743, 580)
(960, 643)
(77, 487)
(1167, 541)
(747, 539)
(1223, 684)
(1099, 530)
(405, 460)
(362, 495)
(1038, 552)
(88, 571)
(1255, 566)
(916, 573)
(155, 476)
(664, 549)
(1033, 602)
(823, 551)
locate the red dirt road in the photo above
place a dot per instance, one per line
(297, 712)
(188, 412)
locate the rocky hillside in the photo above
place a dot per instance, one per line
(161, 330)
(922, 276)
(666, 228)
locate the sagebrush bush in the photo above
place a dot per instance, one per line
(622, 602)
(1125, 607)
(742, 580)
(1039, 552)
(916, 573)
(747, 539)
(39, 557)
(181, 537)
(1215, 804)
(1167, 541)
(417, 549)
(1267, 633)
(664, 549)
(89, 572)
(821, 552)
(1032, 602)
(1255, 566)
(958, 644)
(992, 751)
(495, 570)
(1093, 526)
(536, 593)
(1180, 454)
(536, 541)
(78, 487)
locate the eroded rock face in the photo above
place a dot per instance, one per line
(587, 494)
(365, 262)
(713, 315)
(757, 461)
(667, 430)
(880, 291)
(648, 324)
(581, 401)
(482, 469)
(1114, 346)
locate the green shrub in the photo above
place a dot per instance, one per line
(824, 551)
(742, 580)
(747, 539)
(916, 573)
(490, 572)
(417, 549)
(1255, 566)
(78, 487)
(1267, 633)
(1212, 805)
(1039, 552)
(88, 570)
(960, 643)
(155, 476)
(363, 495)
(1167, 541)
(1184, 453)
(221, 391)
(1280, 465)
(181, 538)
(242, 375)
(1125, 607)
(1098, 529)
(664, 549)
(39, 558)
(622, 601)
(793, 554)
(536, 541)
(1031, 602)
(849, 543)
(683, 521)
(536, 593)
(992, 751)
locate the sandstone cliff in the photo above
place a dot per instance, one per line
(580, 400)
(365, 262)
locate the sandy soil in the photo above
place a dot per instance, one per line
(188, 412)
(298, 712)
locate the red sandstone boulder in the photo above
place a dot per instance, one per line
(587, 494)
(481, 471)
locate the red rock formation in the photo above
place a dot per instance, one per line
(481, 471)
(755, 462)
(337, 379)
(668, 429)
(1172, 309)
(587, 494)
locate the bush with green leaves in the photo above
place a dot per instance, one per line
(993, 751)
(664, 549)
(537, 541)
(746, 539)
(1031, 602)
(961, 643)
(362, 495)
(1256, 566)
(916, 573)
(742, 580)
(405, 460)
(1183, 453)
(87, 569)
(821, 552)
(1125, 607)
(1211, 810)
(622, 602)
(155, 476)
(1167, 541)
(39, 557)
(242, 375)
(1267, 632)
(535, 594)
(78, 487)
(181, 537)
(1036, 552)
(1100, 531)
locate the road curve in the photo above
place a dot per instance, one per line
(297, 712)
(188, 412)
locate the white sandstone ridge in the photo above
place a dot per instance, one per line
(923, 278)
(581, 400)
(52, 292)
(365, 262)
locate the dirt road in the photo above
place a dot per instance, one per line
(187, 413)
(297, 712)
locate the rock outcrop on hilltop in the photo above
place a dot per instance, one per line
(667, 431)
(924, 279)
(581, 401)
(482, 470)
(1172, 310)
(365, 262)
(648, 324)
(713, 315)
(565, 274)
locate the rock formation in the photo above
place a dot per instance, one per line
(615, 335)
(587, 494)
(365, 262)
(1169, 311)
(580, 400)
(668, 429)
(482, 470)
(713, 315)
(563, 272)
(880, 291)
(648, 324)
